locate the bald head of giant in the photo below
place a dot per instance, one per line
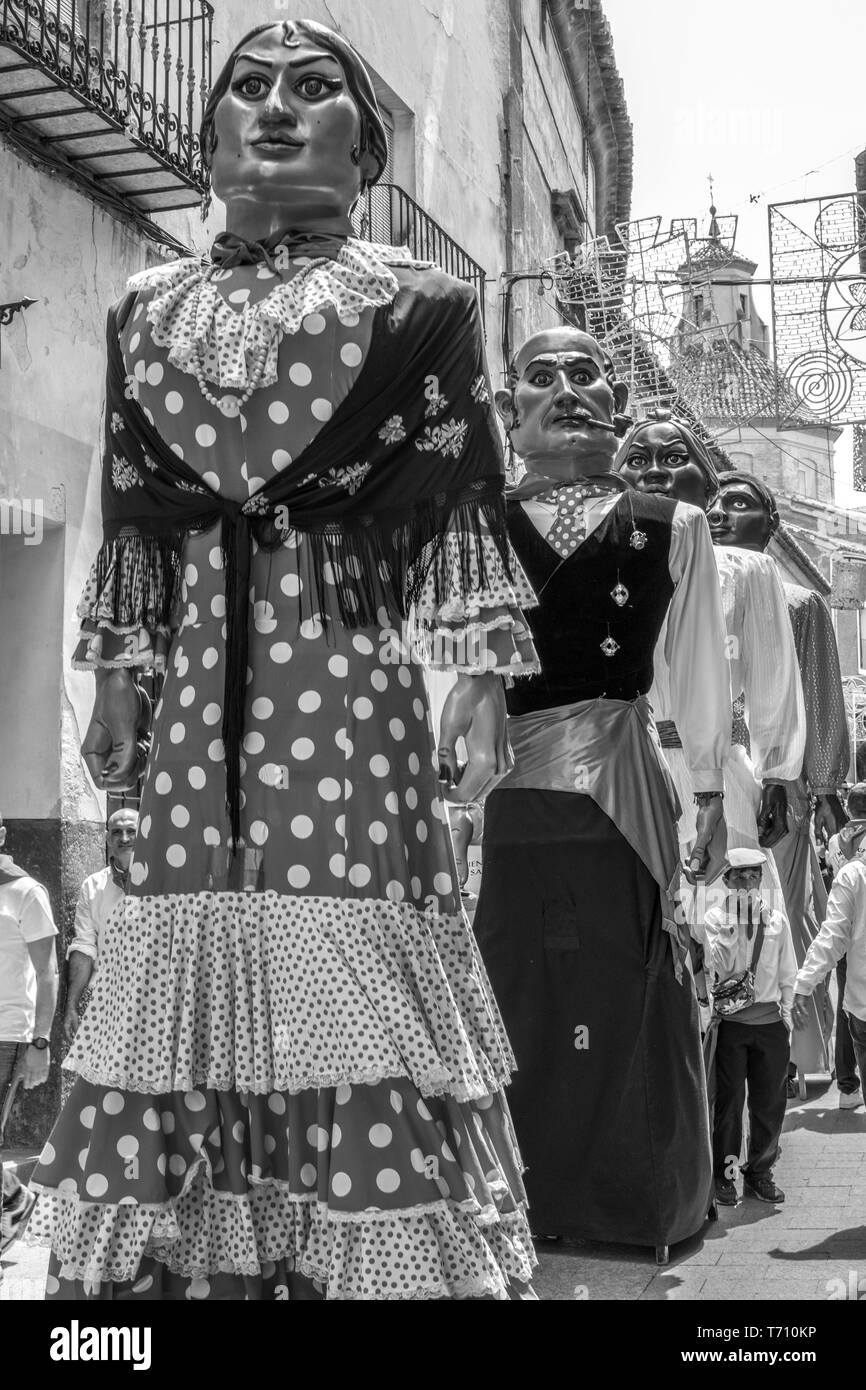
(560, 405)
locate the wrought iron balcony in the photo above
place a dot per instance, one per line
(387, 214)
(111, 92)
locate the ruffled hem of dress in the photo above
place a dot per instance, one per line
(200, 330)
(514, 671)
(132, 663)
(112, 651)
(453, 1254)
(432, 1084)
(500, 646)
(121, 630)
(463, 596)
(387, 1005)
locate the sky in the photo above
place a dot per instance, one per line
(768, 96)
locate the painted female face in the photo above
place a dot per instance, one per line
(738, 517)
(659, 460)
(286, 128)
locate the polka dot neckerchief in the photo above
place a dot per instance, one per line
(569, 527)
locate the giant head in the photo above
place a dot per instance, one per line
(663, 455)
(293, 121)
(744, 513)
(563, 405)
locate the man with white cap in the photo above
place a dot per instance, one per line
(751, 955)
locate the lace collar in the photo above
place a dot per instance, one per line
(190, 318)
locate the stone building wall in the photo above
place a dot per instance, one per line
(794, 462)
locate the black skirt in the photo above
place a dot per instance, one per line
(609, 1100)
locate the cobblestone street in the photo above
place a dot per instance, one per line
(795, 1251)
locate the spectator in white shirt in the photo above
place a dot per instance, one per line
(99, 896)
(850, 843)
(28, 998)
(753, 1044)
(843, 933)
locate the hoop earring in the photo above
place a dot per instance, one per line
(355, 155)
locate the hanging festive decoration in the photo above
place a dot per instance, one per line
(818, 268)
(646, 297)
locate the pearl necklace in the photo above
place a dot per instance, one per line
(229, 405)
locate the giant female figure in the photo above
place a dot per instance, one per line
(290, 1079)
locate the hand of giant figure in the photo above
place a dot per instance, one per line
(829, 817)
(475, 712)
(772, 815)
(711, 815)
(114, 749)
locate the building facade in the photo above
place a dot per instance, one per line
(510, 141)
(765, 430)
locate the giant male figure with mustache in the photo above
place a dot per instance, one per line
(576, 920)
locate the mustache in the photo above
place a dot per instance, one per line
(584, 418)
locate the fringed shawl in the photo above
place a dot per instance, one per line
(410, 454)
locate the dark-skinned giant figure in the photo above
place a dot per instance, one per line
(301, 447)
(665, 458)
(745, 515)
(575, 917)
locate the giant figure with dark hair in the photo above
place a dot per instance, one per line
(664, 458)
(291, 1082)
(745, 516)
(576, 917)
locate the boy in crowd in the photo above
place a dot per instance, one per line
(753, 1042)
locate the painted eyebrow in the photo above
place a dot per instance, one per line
(254, 58)
(295, 63)
(319, 58)
(552, 359)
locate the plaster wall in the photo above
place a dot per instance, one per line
(74, 259)
(552, 122)
(31, 609)
(553, 160)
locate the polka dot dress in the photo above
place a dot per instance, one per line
(289, 1045)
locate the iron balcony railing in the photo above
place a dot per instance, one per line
(141, 69)
(387, 214)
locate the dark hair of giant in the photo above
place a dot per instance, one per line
(768, 498)
(696, 446)
(374, 139)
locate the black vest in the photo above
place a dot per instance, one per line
(577, 611)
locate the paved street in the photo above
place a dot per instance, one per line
(754, 1252)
